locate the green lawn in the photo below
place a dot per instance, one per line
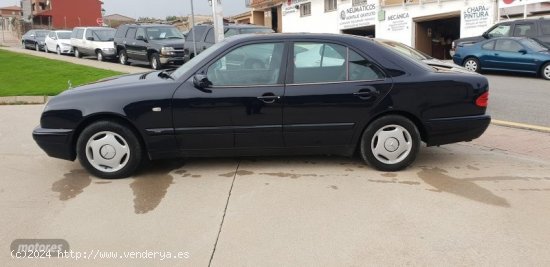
(22, 75)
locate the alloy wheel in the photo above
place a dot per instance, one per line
(471, 65)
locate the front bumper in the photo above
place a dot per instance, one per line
(458, 129)
(171, 59)
(55, 142)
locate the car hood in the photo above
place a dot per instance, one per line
(443, 66)
(470, 40)
(176, 43)
(127, 80)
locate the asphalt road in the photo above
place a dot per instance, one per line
(483, 203)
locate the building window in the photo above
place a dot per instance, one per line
(305, 9)
(330, 5)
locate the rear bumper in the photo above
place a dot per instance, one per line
(55, 142)
(451, 130)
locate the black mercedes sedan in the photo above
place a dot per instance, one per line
(268, 94)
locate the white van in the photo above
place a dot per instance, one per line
(94, 41)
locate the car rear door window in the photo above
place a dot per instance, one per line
(508, 46)
(545, 27)
(361, 69)
(80, 34)
(254, 64)
(319, 62)
(527, 29)
(231, 32)
(210, 36)
(489, 46)
(140, 32)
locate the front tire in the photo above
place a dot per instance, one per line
(472, 64)
(58, 50)
(99, 56)
(390, 143)
(109, 150)
(545, 71)
(77, 53)
(37, 47)
(155, 61)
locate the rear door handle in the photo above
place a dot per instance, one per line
(269, 98)
(367, 93)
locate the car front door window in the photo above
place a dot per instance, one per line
(254, 64)
(508, 46)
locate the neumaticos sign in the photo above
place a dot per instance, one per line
(360, 13)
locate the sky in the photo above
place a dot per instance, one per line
(160, 8)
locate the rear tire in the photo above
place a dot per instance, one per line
(46, 49)
(77, 53)
(472, 64)
(109, 150)
(37, 47)
(58, 50)
(390, 143)
(545, 71)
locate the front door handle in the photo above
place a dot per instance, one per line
(269, 98)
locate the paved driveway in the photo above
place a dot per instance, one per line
(480, 203)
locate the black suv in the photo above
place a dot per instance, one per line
(152, 44)
(538, 29)
(204, 36)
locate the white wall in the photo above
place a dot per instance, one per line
(318, 22)
(327, 22)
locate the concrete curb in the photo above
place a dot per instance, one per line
(23, 100)
(521, 126)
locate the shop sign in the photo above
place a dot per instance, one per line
(397, 22)
(292, 6)
(357, 16)
(511, 3)
(476, 18)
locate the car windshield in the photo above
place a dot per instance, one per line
(407, 51)
(161, 33)
(41, 33)
(104, 35)
(534, 45)
(191, 63)
(256, 30)
(64, 35)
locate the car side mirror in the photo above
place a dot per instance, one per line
(523, 51)
(141, 38)
(201, 82)
(90, 38)
(486, 35)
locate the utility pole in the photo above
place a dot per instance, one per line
(193, 29)
(217, 14)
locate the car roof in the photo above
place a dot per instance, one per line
(95, 28)
(245, 26)
(304, 36)
(145, 25)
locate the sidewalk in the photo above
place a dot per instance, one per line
(114, 66)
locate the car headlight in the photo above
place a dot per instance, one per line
(168, 51)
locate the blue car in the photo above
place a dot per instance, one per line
(513, 54)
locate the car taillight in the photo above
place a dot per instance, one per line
(483, 100)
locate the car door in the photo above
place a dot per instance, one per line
(129, 41)
(329, 94)
(508, 56)
(140, 46)
(487, 58)
(242, 109)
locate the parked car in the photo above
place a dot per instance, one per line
(204, 36)
(538, 29)
(34, 39)
(515, 54)
(58, 41)
(377, 102)
(94, 41)
(152, 44)
(418, 55)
